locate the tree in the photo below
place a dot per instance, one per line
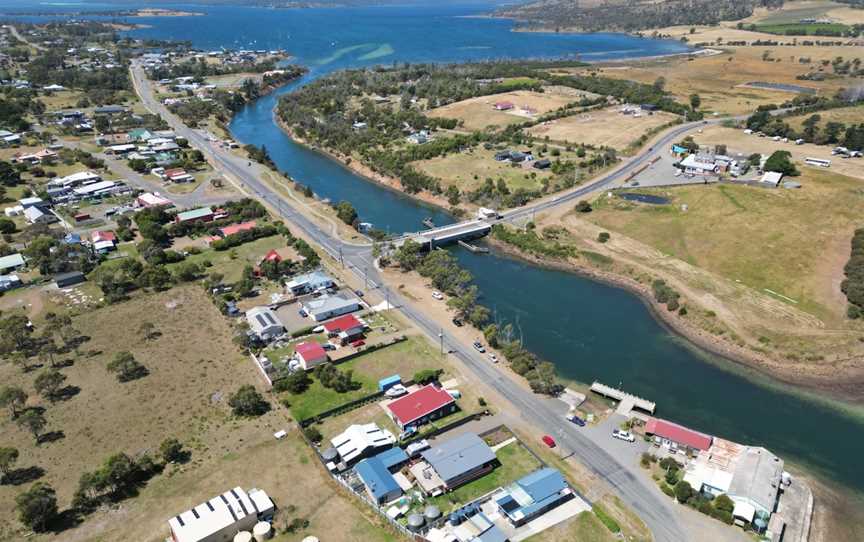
(37, 507)
(13, 397)
(127, 367)
(48, 383)
(33, 421)
(724, 503)
(8, 457)
(148, 331)
(695, 101)
(683, 491)
(172, 451)
(296, 382)
(246, 401)
(781, 162)
(9, 176)
(14, 334)
(583, 207)
(6, 225)
(346, 212)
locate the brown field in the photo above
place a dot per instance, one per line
(717, 78)
(738, 141)
(477, 113)
(469, 170)
(194, 367)
(606, 127)
(845, 115)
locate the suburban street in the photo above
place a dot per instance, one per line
(543, 413)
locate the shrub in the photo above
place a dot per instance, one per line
(683, 491)
(603, 237)
(427, 375)
(583, 207)
(313, 434)
(667, 489)
(246, 401)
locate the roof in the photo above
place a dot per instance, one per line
(329, 303)
(772, 177)
(272, 256)
(149, 199)
(533, 493)
(357, 439)
(343, 323)
(237, 228)
(678, 433)
(458, 456)
(261, 319)
(69, 275)
(377, 478)
(310, 351)
(212, 516)
(13, 260)
(33, 213)
(312, 279)
(192, 214)
(97, 236)
(95, 187)
(419, 403)
(81, 176)
(392, 457)
(757, 477)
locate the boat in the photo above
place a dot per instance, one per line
(396, 391)
(428, 222)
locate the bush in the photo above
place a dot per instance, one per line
(603, 237)
(246, 401)
(427, 375)
(583, 207)
(683, 491)
(313, 434)
(667, 489)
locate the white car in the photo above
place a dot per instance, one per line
(437, 295)
(493, 358)
(623, 435)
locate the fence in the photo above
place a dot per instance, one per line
(398, 526)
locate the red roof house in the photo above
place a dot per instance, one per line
(272, 256)
(237, 228)
(682, 437)
(310, 355)
(343, 323)
(421, 406)
(503, 106)
(98, 236)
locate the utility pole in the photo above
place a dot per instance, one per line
(341, 260)
(441, 337)
(365, 281)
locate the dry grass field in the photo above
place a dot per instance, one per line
(478, 113)
(606, 127)
(846, 115)
(194, 368)
(738, 141)
(469, 170)
(794, 11)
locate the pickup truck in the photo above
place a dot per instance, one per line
(575, 419)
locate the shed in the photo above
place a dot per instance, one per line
(329, 306)
(545, 163)
(380, 484)
(12, 261)
(64, 280)
(386, 383)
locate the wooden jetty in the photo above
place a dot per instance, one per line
(473, 248)
(626, 401)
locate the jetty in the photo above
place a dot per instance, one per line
(627, 403)
(473, 248)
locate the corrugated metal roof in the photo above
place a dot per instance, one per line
(458, 456)
(377, 478)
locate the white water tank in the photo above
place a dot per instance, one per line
(310, 539)
(262, 531)
(243, 536)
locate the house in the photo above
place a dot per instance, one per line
(771, 178)
(346, 328)
(379, 482)
(139, 134)
(545, 163)
(222, 517)
(98, 189)
(101, 236)
(36, 157)
(309, 282)
(272, 256)
(677, 437)
(11, 262)
(121, 149)
(34, 215)
(503, 106)
(421, 406)
(328, 306)
(460, 460)
(359, 441)
(149, 199)
(699, 164)
(64, 280)
(310, 355)
(109, 110)
(8, 282)
(76, 179)
(533, 495)
(178, 175)
(264, 323)
(418, 138)
(204, 214)
(237, 228)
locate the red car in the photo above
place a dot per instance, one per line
(358, 343)
(548, 441)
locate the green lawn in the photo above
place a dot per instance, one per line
(586, 527)
(516, 462)
(246, 254)
(801, 29)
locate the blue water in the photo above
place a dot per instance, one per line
(588, 330)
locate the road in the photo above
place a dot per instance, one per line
(538, 411)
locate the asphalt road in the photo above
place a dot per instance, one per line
(646, 500)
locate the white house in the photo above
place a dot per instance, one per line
(359, 441)
(264, 323)
(34, 215)
(310, 355)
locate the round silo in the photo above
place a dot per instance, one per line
(243, 536)
(416, 522)
(262, 531)
(432, 513)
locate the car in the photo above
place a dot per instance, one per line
(437, 295)
(575, 419)
(457, 322)
(493, 358)
(303, 313)
(623, 435)
(548, 441)
(358, 293)
(478, 346)
(328, 346)
(358, 343)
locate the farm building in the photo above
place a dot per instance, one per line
(533, 495)
(421, 406)
(329, 306)
(264, 323)
(222, 517)
(460, 460)
(310, 355)
(359, 441)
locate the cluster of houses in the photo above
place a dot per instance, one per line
(523, 158)
(158, 146)
(707, 163)
(751, 476)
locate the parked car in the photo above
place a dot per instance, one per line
(303, 313)
(457, 322)
(358, 343)
(479, 347)
(437, 295)
(328, 346)
(358, 293)
(575, 419)
(623, 435)
(548, 441)
(493, 358)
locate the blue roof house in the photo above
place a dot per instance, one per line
(533, 495)
(380, 484)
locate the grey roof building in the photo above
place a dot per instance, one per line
(461, 459)
(756, 484)
(330, 306)
(264, 323)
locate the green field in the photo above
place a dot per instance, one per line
(231, 262)
(803, 29)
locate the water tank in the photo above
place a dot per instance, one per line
(262, 531)
(415, 522)
(330, 454)
(243, 536)
(310, 539)
(432, 512)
